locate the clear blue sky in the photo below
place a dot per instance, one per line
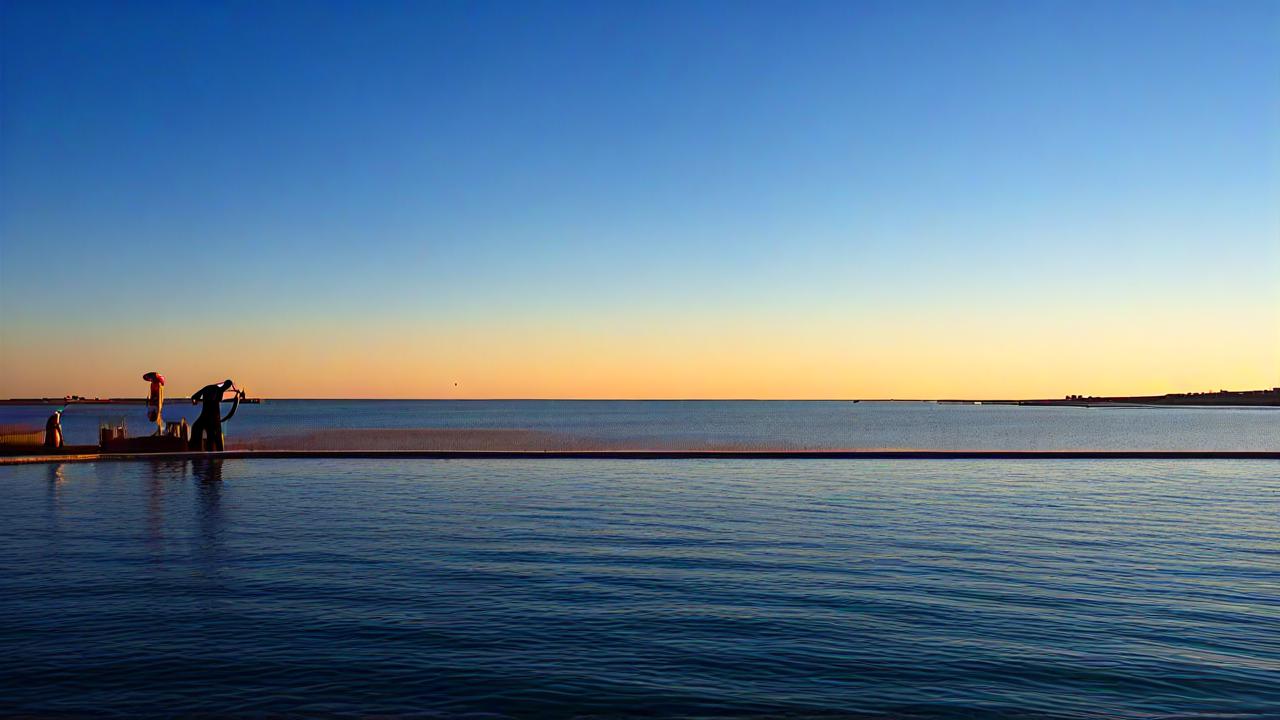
(517, 166)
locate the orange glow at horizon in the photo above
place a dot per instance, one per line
(1014, 354)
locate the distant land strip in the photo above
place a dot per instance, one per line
(656, 455)
(1218, 398)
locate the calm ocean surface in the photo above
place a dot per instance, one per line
(270, 588)
(753, 424)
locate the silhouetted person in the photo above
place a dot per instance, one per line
(209, 424)
(155, 399)
(53, 431)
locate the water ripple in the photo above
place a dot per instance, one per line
(641, 588)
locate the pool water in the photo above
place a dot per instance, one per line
(559, 588)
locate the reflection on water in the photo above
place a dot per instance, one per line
(1067, 589)
(57, 475)
(159, 477)
(208, 477)
(155, 507)
(209, 514)
(56, 478)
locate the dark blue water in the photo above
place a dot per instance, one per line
(1072, 589)
(752, 424)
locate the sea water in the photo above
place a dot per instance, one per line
(746, 424)
(554, 588)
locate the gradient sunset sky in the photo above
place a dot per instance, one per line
(648, 199)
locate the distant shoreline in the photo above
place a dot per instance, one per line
(1225, 398)
(1221, 398)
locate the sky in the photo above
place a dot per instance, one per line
(640, 200)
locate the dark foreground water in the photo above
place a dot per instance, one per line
(1076, 589)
